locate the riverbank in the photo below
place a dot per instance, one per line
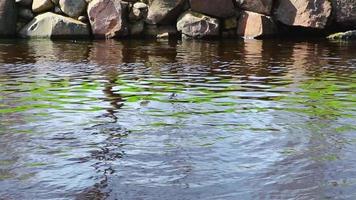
(106, 19)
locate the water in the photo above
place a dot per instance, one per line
(177, 120)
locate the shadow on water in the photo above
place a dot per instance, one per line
(138, 119)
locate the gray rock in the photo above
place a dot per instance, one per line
(24, 2)
(50, 25)
(258, 6)
(139, 11)
(345, 12)
(164, 12)
(220, 9)
(25, 14)
(8, 18)
(73, 8)
(39, 6)
(197, 25)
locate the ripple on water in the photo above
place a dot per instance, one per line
(178, 120)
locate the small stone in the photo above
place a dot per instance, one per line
(348, 35)
(197, 25)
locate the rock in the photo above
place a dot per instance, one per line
(107, 18)
(139, 11)
(305, 13)
(73, 8)
(25, 14)
(255, 25)
(137, 28)
(345, 12)
(51, 25)
(8, 18)
(258, 6)
(24, 2)
(197, 25)
(83, 18)
(39, 6)
(348, 35)
(164, 12)
(153, 31)
(57, 10)
(221, 8)
(56, 2)
(230, 23)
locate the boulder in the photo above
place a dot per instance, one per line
(39, 6)
(24, 2)
(25, 14)
(304, 13)
(254, 25)
(51, 25)
(107, 18)
(8, 18)
(348, 35)
(164, 12)
(258, 6)
(197, 25)
(73, 8)
(345, 12)
(220, 9)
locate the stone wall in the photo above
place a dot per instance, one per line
(107, 19)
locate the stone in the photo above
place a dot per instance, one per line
(25, 14)
(258, 6)
(50, 25)
(24, 2)
(73, 8)
(254, 25)
(153, 31)
(220, 9)
(8, 17)
(83, 18)
(164, 12)
(107, 18)
(137, 28)
(55, 2)
(39, 6)
(348, 35)
(58, 10)
(304, 13)
(139, 11)
(345, 12)
(197, 25)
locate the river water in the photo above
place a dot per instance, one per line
(177, 120)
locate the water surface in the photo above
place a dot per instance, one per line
(179, 120)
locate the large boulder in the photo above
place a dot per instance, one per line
(164, 12)
(39, 6)
(345, 12)
(258, 6)
(51, 25)
(107, 18)
(254, 25)
(196, 25)
(73, 8)
(220, 9)
(8, 18)
(304, 13)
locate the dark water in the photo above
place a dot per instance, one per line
(177, 120)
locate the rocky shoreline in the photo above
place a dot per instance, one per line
(107, 19)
